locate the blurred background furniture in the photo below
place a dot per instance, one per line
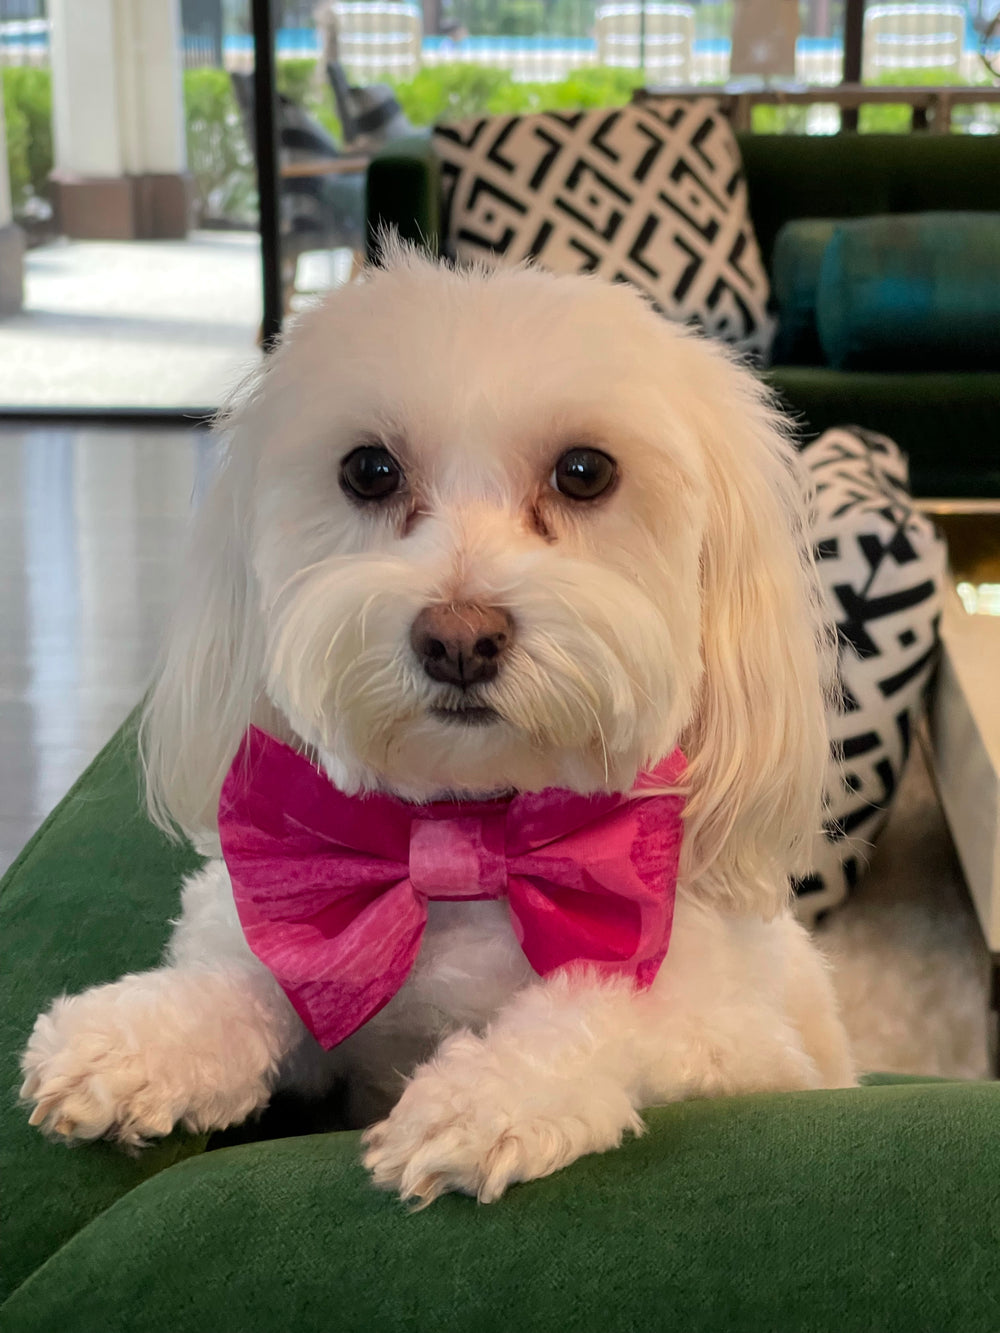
(965, 710)
(931, 107)
(369, 116)
(379, 37)
(322, 190)
(657, 38)
(913, 37)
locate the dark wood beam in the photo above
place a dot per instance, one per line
(854, 26)
(268, 184)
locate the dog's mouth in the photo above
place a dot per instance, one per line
(465, 714)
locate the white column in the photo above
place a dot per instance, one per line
(159, 107)
(117, 100)
(86, 119)
(118, 117)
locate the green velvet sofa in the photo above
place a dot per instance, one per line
(946, 420)
(844, 1212)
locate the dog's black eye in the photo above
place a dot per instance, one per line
(583, 474)
(371, 473)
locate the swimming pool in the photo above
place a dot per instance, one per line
(304, 42)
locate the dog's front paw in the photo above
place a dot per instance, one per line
(465, 1124)
(88, 1076)
(131, 1060)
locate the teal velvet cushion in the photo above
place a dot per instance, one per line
(912, 292)
(863, 175)
(795, 268)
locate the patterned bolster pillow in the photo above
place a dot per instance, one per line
(651, 194)
(882, 567)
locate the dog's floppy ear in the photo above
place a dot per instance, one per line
(208, 678)
(757, 746)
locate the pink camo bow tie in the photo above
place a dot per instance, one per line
(332, 890)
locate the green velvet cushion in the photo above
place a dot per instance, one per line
(870, 1209)
(798, 257)
(90, 898)
(875, 1209)
(912, 292)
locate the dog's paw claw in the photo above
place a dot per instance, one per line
(445, 1135)
(375, 1135)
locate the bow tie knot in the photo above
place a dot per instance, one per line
(459, 858)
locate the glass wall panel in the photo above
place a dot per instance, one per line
(129, 181)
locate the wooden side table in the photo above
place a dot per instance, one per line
(965, 711)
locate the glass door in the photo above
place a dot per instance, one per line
(130, 258)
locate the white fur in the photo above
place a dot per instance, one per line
(679, 609)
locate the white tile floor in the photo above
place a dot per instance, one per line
(92, 524)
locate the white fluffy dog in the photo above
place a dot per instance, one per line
(621, 493)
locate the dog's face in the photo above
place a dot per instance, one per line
(479, 532)
(476, 529)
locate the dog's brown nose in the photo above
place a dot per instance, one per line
(461, 644)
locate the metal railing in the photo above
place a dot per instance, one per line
(930, 109)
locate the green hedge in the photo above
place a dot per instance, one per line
(460, 90)
(218, 152)
(509, 18)
(27, 105)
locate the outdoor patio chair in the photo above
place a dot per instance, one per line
(658, 39)
(322, 209)
(369, 116)
(908, 37)
(379, 37)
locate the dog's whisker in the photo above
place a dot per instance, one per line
(363, 616)
(568, 665)
(646, 696)
(334, 639)
(329, 564)
(601, 739)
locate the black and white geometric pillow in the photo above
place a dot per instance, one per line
(652, 195)
(882, 566)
